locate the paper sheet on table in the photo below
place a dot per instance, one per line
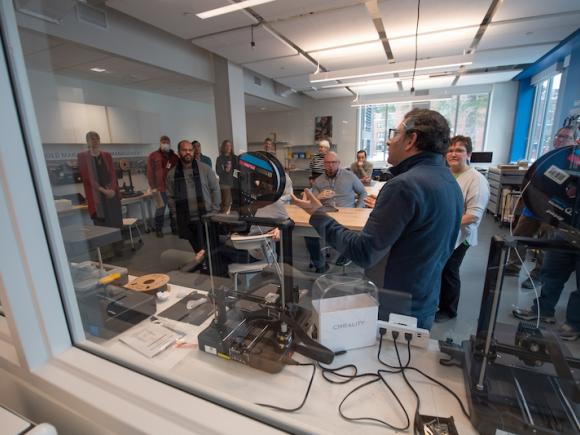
(166, 359)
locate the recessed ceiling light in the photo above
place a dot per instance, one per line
(231, 8)
(263, 108)
(98, 69)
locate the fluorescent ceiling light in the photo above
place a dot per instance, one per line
(409, 100)
(394, 68)
(367, 83)
(231, 8)
(95, 69)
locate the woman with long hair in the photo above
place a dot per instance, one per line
(225, 165)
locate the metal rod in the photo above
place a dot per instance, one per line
(492, 317)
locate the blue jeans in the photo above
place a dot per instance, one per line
(160, 214)
(316, 257)
(426, 321)
(557, 268)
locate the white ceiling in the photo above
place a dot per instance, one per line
(47, 53)
(341, 34)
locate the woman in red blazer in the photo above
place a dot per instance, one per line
(100, 183)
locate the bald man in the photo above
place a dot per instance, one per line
(336, 187)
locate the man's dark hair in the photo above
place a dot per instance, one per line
(361, 151)
(193, 142)
(432, 130)
(179, 144)
(465, 140)
(164, 139)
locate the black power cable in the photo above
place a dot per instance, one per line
(299, 407)
(416, 38)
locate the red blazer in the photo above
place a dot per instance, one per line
(158, 165)
(90, 182)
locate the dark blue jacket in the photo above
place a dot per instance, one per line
(415, 222)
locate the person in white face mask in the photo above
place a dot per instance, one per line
(159, 163)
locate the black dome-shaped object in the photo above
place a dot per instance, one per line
(552, 190)
(261, 181)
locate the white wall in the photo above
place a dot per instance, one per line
(500, 121)
(59, 99)
(297, 126)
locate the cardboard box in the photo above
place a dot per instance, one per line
(347, 322)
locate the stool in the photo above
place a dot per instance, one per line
(131, 223)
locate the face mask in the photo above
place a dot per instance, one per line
(165, 147)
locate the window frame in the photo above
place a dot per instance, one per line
(543, 108)
(36, 349)
(384, 163)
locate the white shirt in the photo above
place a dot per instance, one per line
(475, 189)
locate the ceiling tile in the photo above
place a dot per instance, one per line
(284, 9)
(438, 44)
(526, 32)
(487, 78)
(376, 89)
(330, 29)
(33, 42)
(329, 93)
(63, 56)
(369, 53)
(512, 9)
(236, 47)
(170, 16)
(400, 18)
(283, 66)
(300, 82)
(509, 56)
(429, 83)
(258, 105)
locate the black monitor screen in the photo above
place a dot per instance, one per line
(481, 157)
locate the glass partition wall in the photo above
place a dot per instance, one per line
(152, 284)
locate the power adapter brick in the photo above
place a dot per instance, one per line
(404, 325)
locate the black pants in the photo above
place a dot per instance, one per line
(197, 238)
(451, 283)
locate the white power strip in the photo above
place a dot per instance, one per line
(420, 336)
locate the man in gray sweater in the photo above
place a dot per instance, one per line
(335, 188)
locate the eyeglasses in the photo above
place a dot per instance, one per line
(393, 132)
(334, 162)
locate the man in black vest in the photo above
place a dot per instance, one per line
(192, 191)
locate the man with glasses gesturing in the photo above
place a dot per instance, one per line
(336, 187)
(413, 227)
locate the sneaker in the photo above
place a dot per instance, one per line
(342, 261)
(527, 284)
(531, 314)
(322, 269)
(568, 332)
(443, 316)
(511, 270)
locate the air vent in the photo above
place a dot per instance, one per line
(422, 92)
(257, 81)
(90, 15)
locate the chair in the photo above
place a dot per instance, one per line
(260, 243)
(131, 223)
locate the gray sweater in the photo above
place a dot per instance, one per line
(209, 185)
(349, 190)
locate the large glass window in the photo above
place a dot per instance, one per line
(542, 128)
(466, 114)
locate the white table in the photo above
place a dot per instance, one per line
(239, 386)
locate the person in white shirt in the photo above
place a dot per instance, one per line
(475, 189)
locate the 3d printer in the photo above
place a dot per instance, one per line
(263, 326)
(520, 379)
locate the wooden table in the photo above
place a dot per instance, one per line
(240, 386)
(375, 187)
(352, 218)
(144, 202)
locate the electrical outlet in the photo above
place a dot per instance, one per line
(420, 336)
